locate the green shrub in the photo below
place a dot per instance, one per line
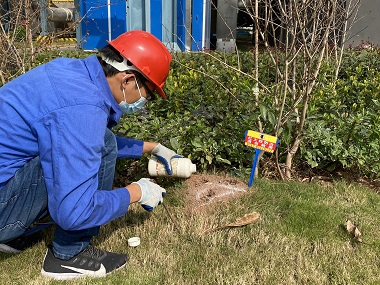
(19, 33)
(205, 122)
(210, 106)
(200, 119)
(344, 123)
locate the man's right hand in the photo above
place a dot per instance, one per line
(151, 194)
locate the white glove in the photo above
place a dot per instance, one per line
(151, 194)
(165, 154)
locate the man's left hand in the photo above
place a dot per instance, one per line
(165, 154)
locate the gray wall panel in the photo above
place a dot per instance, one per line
(367, 26)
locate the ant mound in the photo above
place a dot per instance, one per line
(205, 190)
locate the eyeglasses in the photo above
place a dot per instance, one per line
(151, 96)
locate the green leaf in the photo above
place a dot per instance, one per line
(220, 159)
(197, 143)
(263, 111)
(272, 118)
(174, 143)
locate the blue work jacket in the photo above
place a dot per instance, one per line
(59, 111)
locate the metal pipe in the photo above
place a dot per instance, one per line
(44, 24)
(59, 14)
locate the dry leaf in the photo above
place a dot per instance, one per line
(353, 230)
(241, 221)
(245, 220)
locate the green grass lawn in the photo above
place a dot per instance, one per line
(299, 239)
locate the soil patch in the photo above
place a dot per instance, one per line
(205, 190)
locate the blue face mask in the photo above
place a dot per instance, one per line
(134, 107)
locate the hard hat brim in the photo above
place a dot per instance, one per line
(161, 92)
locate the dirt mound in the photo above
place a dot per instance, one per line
(204, 190)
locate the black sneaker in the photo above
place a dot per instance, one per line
(14, 246)
(31, 237)
(91, 261)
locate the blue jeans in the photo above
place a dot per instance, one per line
(24, 200)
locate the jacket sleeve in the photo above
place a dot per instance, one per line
(71, 140)
(129, 148)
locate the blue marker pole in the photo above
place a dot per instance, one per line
(254, 164)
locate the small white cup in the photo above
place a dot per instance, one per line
(134, 241)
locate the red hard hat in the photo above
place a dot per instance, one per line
(148, 55)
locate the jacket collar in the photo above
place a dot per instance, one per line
(97, 75)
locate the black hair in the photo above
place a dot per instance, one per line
(111, 53)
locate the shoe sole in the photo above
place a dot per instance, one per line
(68, 276)
(7, 249)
